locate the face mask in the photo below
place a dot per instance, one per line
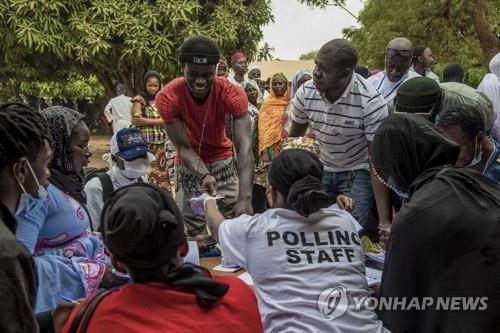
(136, 168)
(28, 203)
(476, 159)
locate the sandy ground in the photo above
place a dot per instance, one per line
(99, 144)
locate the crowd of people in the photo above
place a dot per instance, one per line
(292, 179)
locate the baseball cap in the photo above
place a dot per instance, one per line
(129, 144)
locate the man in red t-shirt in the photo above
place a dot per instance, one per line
(194, 109)
(143, 229)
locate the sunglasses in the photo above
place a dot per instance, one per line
(403, 53)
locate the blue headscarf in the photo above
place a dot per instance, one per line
(296, 78)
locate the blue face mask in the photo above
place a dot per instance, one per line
(477, 158)
(28, 203)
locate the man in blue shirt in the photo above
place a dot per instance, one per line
(464, 125)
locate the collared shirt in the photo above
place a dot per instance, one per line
(94, 192)
(385, 86)
(428, 74)
(118, 111)
(344, 128)
(492, 170)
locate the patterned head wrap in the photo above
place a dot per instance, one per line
(62, 122)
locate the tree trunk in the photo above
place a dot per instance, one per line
(106, 83)
(490, 44)
(138, 74)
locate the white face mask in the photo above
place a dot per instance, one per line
(477, 158)
(136, 168)
(28, 203)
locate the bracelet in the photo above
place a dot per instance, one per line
(202, 179)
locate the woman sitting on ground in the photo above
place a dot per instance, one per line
(298, 250)
(70, 261)
(144, 231)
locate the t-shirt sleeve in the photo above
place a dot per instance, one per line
(299, 114)
(167, 104)
(30, 224)
(374, 113)
(236, 100)
(233, 239)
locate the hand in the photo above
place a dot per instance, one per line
(345, 203)
(243, 206)
(209, 185)
(61, 314)
(140, 121)
(138, 99)
(384, 230)
(110, 280)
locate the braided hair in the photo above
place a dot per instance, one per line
(24, 133)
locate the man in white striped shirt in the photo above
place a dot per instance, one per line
(343, 112)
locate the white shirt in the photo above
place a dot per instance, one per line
(94, 191)
(292, 259)
(385, 86)
(428, 74)
(118, 112)
(344, 128)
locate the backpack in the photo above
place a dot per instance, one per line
(101, 173)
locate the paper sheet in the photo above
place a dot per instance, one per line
(377, 257)
(193, 255)
(246, 278)
(373, 276)
(221, 268)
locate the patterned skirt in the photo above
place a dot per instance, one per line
(159, 174)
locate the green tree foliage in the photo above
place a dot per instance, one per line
(119, 40)
(311, 55)
(447, 27)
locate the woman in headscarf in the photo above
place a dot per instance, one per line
(148, 120)
(302, 76)
(272, 118)
(144, 231)
(70, 261)
(490, 86)
(445, 240)
(298, 250)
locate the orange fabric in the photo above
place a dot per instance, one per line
(271, 119)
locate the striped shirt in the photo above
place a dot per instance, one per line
(344, 128)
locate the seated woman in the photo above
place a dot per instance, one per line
(144, 231)
(445, 241)
(70, 261)
(297, 250)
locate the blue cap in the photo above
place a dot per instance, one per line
(129, 144)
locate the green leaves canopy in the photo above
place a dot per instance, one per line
(118, 40)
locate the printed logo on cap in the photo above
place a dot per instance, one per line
(197, 60)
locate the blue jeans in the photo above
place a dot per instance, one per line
(356, 184)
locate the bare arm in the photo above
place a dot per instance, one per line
(188, 156)
(298, 129)
(381, 194)
(243, 145)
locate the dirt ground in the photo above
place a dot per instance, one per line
(99, 145)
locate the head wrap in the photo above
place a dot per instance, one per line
(296, 78)
(297, 173)
(147, 76)
(199, 50)
(418, 95)
(271, 116)
(405, 146)
(143, 227)
(495, 65)
(62, 122)
(236, 57)
(253, 84)
(253, 68)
